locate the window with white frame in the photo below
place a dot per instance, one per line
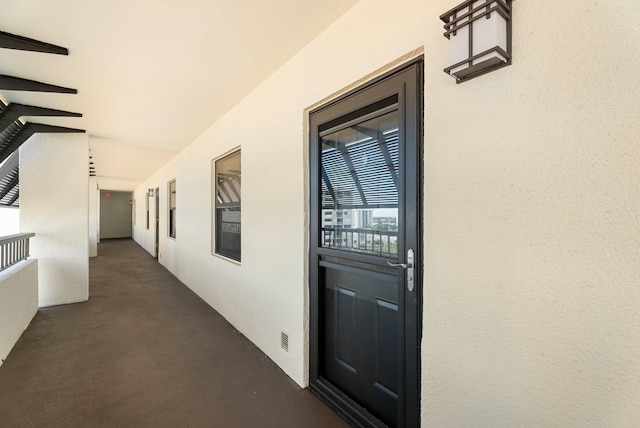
(146, 210)
(227, 227)
(172, 209)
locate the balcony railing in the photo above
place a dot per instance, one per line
(14, 249)
(370, 241)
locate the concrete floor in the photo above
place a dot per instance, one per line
(145, 351)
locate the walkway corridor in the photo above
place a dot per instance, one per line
(145, 351)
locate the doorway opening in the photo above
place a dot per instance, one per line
(115, 214)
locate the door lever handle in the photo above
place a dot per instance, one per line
(402, 265)
(409, 268)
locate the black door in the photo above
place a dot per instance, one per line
(365, 169)
(157, 223)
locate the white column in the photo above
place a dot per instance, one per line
(54, 203)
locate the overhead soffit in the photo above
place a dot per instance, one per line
(152, 75)
(9, 177)
(14, 130)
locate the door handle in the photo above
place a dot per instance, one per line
(408, 266)
(402, 265)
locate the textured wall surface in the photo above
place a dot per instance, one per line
(18, 303)
(54, 202)
(531, 213)
(533, 228)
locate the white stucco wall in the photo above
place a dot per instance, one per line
(9, 221)
(531, 214)
(532, 228)
(54, 203)
(18, 303)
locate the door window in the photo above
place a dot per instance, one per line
(359, 196)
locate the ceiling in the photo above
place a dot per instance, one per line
(152, 75)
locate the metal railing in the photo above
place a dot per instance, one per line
(14, 249)
(370, 241)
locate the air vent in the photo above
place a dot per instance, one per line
(284, 341)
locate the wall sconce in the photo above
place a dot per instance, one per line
(479, 32)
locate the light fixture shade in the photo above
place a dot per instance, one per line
(479, 32)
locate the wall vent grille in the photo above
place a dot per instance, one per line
(284, 341)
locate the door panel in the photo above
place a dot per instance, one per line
(361, 336)
(344, 327)
(365, 202)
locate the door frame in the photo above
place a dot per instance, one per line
(409, 414)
